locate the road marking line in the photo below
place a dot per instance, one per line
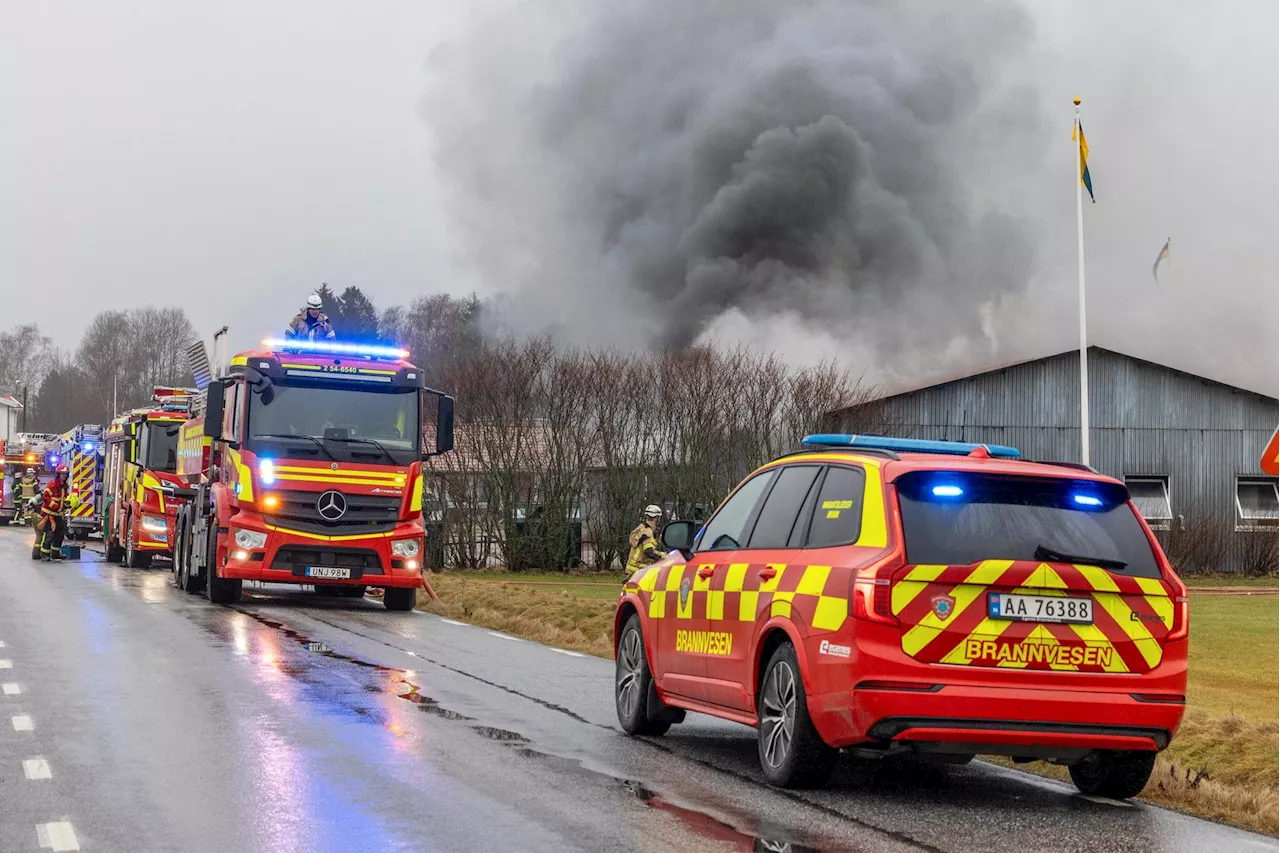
(6, 664)
(11, 689)
(36, 768)
(57, 836)
(567, 652)
(504, 636)
(22, 723)
(452, 621)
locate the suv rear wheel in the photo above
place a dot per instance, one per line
(792, 753)
(1114, 774)
(632, 684)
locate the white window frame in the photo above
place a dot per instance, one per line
(1247, 525)
(1163, 480)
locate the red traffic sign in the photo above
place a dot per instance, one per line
(1271, 456)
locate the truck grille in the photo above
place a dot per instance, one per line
(297, 558)
(365, 514)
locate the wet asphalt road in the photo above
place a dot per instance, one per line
(139, 718)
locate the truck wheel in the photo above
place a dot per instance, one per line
(400, 598)
(220, 590)
(792, 753)
(114, 552)
(133, 558)
(633, 691)
(1112, 773)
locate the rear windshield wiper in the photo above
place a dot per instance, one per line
(377, 444)
(1044, 553)
(310, 438)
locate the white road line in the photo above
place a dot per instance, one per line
(567, 652)
(22, 723)
(6, 664)
(504, 636)
(57, 836)
(36, 768)
(452, 621)
(12, 689)
(1106, 801)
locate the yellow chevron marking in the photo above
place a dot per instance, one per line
(736, 577)
(830, 613)
(321, 538)
(813, 581)
(658, 604)
(1093, 635)
(1138, 633)
(988, 629)
(648, 579)
(1099, 579)
(1151, 586)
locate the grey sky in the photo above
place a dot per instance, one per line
(228, 157)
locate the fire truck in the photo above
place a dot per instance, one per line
(139, 475)
(304, 466)
(82, 451)
(37, 450)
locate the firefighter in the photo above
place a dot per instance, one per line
(52, 523)
(644, 541)
(310, 323)
(24, 491)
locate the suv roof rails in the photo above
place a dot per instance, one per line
(1079, 466)
(863, 451)
(911, 445)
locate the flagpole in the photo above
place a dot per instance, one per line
(1084, 358)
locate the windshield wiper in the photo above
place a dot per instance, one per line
(310, 438)
(1045, 553)
(376, 444)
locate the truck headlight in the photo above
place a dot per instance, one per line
(406, 547)
(250, 539)
(154, 523)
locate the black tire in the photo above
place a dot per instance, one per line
(1113, 773)
(114, 553)
(633, 684)
(400, 598)
(792, 753)
(219, 590)
(133, 558)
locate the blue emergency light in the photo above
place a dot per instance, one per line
(87, 447)
(907, 445)
(52, 459)
(336, 348)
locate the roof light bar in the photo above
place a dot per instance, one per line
(336, 348)
(907, 445)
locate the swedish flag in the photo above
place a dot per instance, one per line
(1084, 160)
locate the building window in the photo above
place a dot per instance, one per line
(1151, 497)
(1257, 503)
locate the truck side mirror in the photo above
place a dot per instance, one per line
(444, 424)
(213, 410)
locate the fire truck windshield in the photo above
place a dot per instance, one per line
(158, 447)
(342, 423)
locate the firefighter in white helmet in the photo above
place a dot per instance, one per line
(645, 549)
(310, 323)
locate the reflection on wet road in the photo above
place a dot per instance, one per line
(139, 718)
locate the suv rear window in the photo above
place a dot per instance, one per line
(958, 519)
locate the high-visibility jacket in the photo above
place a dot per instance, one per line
(644, 548)
(28, 489)
(305, 326)
(54, 497)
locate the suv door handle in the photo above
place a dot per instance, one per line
(705, 572)
(767, 573)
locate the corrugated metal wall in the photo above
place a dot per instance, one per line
(1145, 419)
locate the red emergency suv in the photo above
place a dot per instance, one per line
(898, 596)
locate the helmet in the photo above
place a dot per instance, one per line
(63, 469)
(653, 511)
(31, 470)
(313, 301)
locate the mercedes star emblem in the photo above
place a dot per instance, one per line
(331, 505)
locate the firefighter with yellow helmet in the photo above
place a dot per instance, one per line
(645, 549)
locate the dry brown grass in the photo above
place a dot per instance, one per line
(559, 617)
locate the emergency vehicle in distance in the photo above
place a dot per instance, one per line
(139, 475)
(305, 467)
(25, 450)
(83, 451)
(897, 596)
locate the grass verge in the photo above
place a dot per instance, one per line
(1223, 764)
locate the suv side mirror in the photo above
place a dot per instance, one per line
(213, 410)
(444, 425)
(678, 536)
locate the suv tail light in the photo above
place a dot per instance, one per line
(871, 598)
(1181, 609)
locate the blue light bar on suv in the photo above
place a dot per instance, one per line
(337, 348)
(907, 445)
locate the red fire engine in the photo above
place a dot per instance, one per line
(140, 476)
(304, 466)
